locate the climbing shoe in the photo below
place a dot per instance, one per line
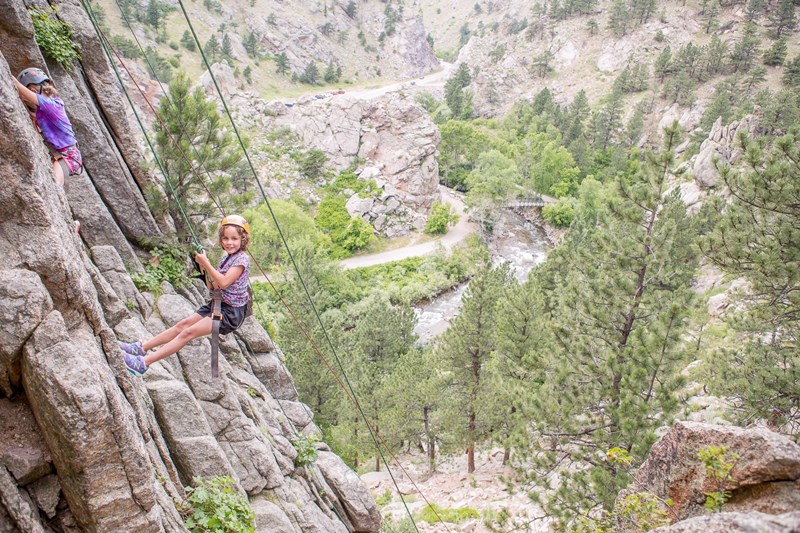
(132, 348)
(134, 364)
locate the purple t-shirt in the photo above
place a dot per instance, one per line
(236, 294)
(52, 120)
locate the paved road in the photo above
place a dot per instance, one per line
(457, 233)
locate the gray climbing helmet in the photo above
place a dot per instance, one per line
(32, 75)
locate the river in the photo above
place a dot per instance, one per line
(515, 240)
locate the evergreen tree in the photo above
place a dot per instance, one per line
(755, 8)
(310, 74)
(608, 121)
(248, 73)
(745, 49)
(212, 49)
(350, 9)
(330, 73)
(226, 49)
(758, 239)
(782, 20)
(716, 55)
(756, 77)
(616, 295)
(454, 93)
(776, 54)
(187, 41)
(791, 73)
(663, 66)
(282, 63)
(193, 119)
(153, 13)
(635, 126)
(465, 349)
(619, 18)
(250, 44)
(779, 112)
(711, 17)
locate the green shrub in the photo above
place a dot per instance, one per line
(719, 463)
(218, 507)
(432, 513)
(384, 498)
(440, 219)
(306, 448)
(167, 263)
(54, 36)
(126, 47)
(560, 214)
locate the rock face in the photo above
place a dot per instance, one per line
(720, 148)
(765, 478)
(737, 523)
(85, 447)
(396, 140)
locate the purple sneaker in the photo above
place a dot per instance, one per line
(135, 364)
(132, 348)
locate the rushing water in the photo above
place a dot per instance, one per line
(519, 242)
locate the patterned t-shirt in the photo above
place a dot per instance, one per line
(236, 294)
(53, 121)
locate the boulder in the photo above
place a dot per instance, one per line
(357, 206)
(24, 302)
(673, 470)
(752, 522)
(45, 493)
(358, 503)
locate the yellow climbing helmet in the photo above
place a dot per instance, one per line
(236, 220)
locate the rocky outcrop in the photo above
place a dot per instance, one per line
(719, 149)
(765, 478)
(85, 447)
(396, 140)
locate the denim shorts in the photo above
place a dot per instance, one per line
(232, 317)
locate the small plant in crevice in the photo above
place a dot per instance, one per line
(718, 462)
(217, 505)
(306, 447)
(167, 263)
(54, 36)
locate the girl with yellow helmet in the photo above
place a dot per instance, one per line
(231, 276)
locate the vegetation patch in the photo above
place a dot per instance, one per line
(54, 36)
(217, 506)
(432, 514)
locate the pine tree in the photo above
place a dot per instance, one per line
(745, 49)
(616, 294)
(250, 44)
(776, 54)
(153, 13)
(755, 8)
(226, 49)
(282, 63)
(663, 65)
(310, 74)
(758, 239)
(212, 49)
(756, 77)
(248, 73)
(191, 118)
(782, 20)
(187, 41)
(791, 73)
(619, 18)
(716, 55)
(330, 73)
(711, 17)
(464, 350)
(609, 121)
(454, 92)
(350, 9)
(635, 126)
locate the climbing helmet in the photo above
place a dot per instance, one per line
(236, 220)
(32, 75)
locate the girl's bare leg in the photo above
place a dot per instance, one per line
(199, 329)
(59, 172)
(169, 334)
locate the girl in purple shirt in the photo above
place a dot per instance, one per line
(48, 115)
(232, 276)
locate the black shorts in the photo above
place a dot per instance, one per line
(232, 317)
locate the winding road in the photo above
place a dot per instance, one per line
(457, 233)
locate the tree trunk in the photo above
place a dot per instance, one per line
(431, 440)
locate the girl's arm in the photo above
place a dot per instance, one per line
(27, 96)
(221, 281)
